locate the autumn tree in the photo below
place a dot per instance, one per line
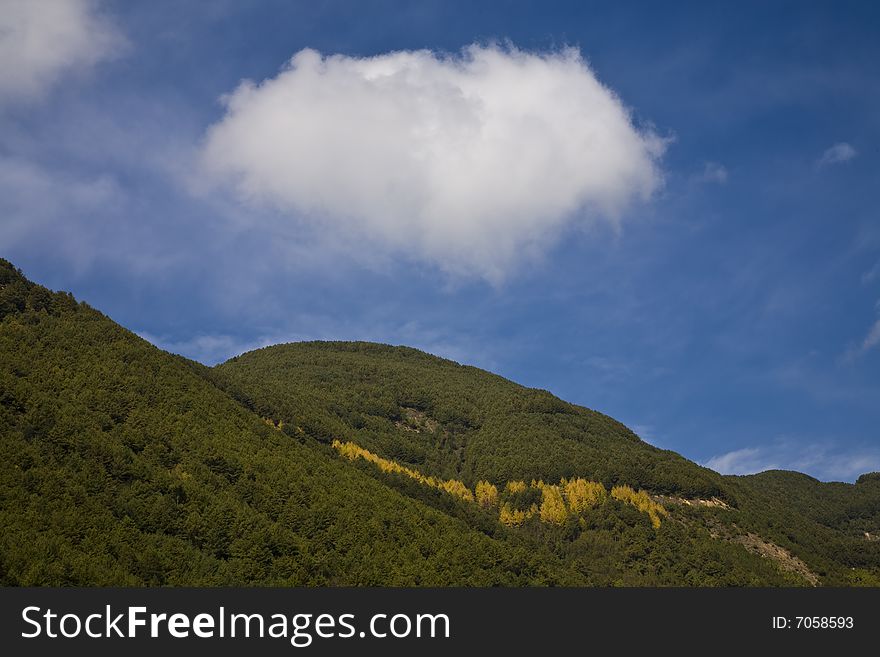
(486, 494)
(552, 505)
(457, 489)
(642, 501)
(515, 517)
(583, 495)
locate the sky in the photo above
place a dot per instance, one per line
(667, 212)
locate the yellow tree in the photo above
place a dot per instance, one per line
(486, 494)
(354, 451)
(510, 517)
(642, 501)
(583, 495)
(458, 489)
(552, 505)
(515, 517)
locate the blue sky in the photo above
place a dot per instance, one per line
(711, 275)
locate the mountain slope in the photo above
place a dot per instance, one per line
(121, 464)
(484, 426)
(833, 527)
(459, 422)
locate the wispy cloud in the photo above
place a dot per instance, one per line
(873, 338)
(39, 204)
(840, 152)
(213, 348)
(869, 342)
(646, 432)
(872, 274)
(41, 42)
(823, 460)
(712, 172)
(748, 460)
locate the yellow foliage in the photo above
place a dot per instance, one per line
(552, 505)
(178, 471)
(354, 451)
(486, 494)
(458, 489)
(623, 493)
(515, 517)
(272, 423)
(583, 495)
(557, 500)
(642, 501)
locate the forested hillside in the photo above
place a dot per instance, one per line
(120, 465)
(456, 421)
(364, 464)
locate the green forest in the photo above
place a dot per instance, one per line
(124, 465)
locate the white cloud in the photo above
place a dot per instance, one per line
(825, 461)
(713, 173)
(840, 152)
(42, 40)
(473, 162)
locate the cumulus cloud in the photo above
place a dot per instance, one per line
(472, 162)
(821, 460)
(42, 41)
(840, 152)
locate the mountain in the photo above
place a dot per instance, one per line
(365, 464)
